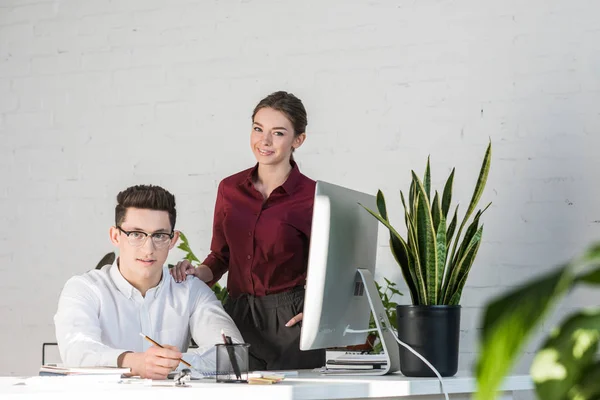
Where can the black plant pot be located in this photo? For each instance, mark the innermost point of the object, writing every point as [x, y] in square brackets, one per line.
[433, 332]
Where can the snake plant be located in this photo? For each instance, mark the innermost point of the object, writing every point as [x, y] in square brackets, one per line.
[435, 260]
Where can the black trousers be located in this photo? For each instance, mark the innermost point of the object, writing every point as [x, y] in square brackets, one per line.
[261, 321]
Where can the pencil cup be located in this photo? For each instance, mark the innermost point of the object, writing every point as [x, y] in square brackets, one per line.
[232, 362]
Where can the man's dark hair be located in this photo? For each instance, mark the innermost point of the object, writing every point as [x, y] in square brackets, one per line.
[148, 197]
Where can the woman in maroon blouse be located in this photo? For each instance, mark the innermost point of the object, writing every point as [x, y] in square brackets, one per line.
[261, 234]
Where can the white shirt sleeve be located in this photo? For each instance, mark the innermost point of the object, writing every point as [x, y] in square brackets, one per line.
[78, 330]
[206, 321]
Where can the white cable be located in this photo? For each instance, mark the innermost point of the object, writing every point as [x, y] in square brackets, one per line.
[348, 330]
[435, 371]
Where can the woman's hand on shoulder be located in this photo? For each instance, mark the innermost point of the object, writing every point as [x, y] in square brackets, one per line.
[182, 270]
[185, 268]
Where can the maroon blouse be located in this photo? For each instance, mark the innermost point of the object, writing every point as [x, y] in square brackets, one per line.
[263, 243]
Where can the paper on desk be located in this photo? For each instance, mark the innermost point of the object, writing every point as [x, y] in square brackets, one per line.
[68, 380]
[284, 374]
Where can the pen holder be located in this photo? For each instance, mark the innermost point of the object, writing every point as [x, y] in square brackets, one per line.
[232, 362]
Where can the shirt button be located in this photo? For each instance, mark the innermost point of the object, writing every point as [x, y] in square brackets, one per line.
[248, 256]
[249, 233]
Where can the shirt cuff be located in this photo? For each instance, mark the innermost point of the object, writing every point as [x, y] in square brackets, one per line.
[216, 266]
[205, 363]
[109, 358]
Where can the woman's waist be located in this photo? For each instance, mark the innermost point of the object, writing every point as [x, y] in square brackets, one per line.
[272, 300]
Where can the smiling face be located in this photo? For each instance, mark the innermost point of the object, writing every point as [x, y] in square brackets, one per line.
[273, 138]
[141, 261]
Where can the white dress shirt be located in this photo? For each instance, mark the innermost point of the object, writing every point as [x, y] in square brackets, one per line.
[100, 316]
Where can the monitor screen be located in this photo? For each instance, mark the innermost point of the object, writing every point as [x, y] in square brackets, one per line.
[343, 239]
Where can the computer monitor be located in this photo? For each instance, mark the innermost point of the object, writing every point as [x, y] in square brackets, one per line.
[340, 290]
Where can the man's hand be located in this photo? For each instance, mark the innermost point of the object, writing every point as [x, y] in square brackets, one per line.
[294, 320]
[185, 268]
[154, 363]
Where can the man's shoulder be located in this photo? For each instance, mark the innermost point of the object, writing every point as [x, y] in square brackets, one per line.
[197, 285]
[97, 278]
[194, 288]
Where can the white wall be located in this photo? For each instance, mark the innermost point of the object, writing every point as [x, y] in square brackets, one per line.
[98, 95]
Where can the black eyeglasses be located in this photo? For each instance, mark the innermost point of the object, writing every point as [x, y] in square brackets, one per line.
[137, 238]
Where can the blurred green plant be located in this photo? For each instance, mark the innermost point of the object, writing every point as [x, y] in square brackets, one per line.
[567, 366]
[434, 274]
[184, 245]
[386, 293]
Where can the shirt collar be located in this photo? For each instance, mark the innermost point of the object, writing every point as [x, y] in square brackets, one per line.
[290, 183]
[127, 288]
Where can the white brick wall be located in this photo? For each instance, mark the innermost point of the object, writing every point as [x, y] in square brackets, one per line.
[99, 95]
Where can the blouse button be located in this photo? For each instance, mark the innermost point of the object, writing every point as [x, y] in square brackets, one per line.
[248, 256]
[249, 233]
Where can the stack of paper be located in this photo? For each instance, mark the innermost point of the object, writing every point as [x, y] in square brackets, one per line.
[55, 370]
[358, 361]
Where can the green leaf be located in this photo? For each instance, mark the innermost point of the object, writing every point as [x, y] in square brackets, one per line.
[481, 181]
[384, 221]
[507, 323]
[412, 246]
[473, 227]
[427, 180]
[447, 194]
[562, 362]
[406, 262]
[398, 248]
[451, 228]
[427, 243]
[455, 299]
[184, 245]
[441, 257]
[448, 266]
[411, 197]
[589, 385]
[405, 209]
[453, 288]
[436, 211]
[381, 205]
[409, 222]
[400, 251]
[591, 277]
[592, 255]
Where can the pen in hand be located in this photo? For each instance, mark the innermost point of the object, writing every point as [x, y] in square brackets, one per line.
[159, 345]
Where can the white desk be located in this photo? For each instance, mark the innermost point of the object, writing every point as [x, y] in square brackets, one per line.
[308, 385]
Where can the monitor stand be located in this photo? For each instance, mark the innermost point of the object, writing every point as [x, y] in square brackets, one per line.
[388, 342]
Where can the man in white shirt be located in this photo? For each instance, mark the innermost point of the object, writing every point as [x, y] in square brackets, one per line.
[102, 312]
